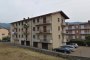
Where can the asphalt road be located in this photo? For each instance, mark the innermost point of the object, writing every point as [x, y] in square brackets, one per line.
[82, 51]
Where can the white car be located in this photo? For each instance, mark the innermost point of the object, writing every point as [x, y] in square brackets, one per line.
[74, 44]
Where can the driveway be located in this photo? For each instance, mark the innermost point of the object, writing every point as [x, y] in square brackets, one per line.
[82, 51]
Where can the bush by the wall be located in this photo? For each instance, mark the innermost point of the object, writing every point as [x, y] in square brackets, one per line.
[79, 42]
[6, 39]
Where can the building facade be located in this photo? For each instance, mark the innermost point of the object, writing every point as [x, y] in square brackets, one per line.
[44, 32]
[78, 30]
[3, 33]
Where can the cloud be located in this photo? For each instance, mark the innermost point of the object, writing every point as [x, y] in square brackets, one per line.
[13, 10]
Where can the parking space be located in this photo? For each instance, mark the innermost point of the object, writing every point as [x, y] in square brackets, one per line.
[82, 51]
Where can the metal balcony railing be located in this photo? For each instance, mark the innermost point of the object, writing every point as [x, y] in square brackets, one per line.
[42, 31]
[46, 40]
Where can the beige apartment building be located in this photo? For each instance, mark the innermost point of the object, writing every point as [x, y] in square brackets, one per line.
[44, 32]
[78, 30]
[3, 33]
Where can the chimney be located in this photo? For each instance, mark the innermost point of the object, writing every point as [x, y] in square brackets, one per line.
[88, 21]
[23, 18]
[28, 18]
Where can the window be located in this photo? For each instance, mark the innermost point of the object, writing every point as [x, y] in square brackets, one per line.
[44, 19]
[34, 36]
[22, 22]
[44, 28]
[3, 34]
[19, 23]
[16, 29]
[37, 36]
[16, 24]
[59, 36]
[33, 28]
[37, 28]
[45, 36]
[58, 28]
[19, 36]
[22, 36]
[37, 19]
[22, 29]
[19, 29]
[16, 36]
[58, 19]
[25, 21]
[33, 20]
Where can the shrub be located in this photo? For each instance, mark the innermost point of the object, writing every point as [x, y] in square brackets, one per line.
[87, 37]
[6, 39]
[79, 42]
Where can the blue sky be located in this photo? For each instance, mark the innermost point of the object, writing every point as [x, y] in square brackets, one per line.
[14, 10]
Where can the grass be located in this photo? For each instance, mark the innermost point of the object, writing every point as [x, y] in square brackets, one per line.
[8, 52]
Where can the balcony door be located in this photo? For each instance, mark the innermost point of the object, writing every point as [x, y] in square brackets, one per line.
[44, 19]
[44, 29]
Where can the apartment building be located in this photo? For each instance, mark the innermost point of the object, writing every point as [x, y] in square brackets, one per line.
[44, 32]
[3, 33]
[78, 30]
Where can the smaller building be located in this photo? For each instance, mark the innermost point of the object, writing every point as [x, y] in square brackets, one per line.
[3, 33]
[78, 30]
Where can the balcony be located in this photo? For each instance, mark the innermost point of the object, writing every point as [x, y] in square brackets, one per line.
[70, 33]
[45, 41]
[41, 23]
[63, 24]
[43, 32]
[36, 40]
[85, 33]
[63, 32]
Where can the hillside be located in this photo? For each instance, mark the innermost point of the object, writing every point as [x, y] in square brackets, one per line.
[5, 25]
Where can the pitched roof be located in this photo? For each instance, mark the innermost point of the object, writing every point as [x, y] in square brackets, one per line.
[61, 12]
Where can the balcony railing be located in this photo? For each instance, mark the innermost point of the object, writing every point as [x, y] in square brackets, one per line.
[63, 24]
[42, 31]
[41, 23]
[46, 40]
[63, 32]
[85, 33]
[36, 40]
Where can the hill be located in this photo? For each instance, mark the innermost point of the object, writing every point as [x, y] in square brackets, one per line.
[5, 25]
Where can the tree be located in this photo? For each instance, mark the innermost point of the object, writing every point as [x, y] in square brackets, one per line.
[87, 37]
[6, 39]
[26, 26]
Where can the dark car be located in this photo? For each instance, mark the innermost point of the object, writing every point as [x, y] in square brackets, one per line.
[63, 50]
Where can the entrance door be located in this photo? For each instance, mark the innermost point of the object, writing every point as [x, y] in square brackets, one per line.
[44, 45]
[35, 44]
[27, 43]
[22, 42]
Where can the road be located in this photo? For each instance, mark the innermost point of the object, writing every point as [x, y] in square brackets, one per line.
[82, 51]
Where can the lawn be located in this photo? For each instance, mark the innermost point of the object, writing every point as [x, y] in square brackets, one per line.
[8, 52]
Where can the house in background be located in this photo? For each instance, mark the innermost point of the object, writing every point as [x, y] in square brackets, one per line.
[77, 30]
[3, 33]
[44, 32]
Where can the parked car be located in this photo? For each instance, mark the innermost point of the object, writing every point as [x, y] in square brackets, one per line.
[74, 44]
[71, 47]
[63, 50]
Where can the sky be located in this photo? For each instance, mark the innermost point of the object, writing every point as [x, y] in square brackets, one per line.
[15, 10]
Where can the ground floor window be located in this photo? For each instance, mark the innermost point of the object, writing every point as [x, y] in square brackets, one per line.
[44, 45]
[22, 43]
[35, 44]
[27, 43]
